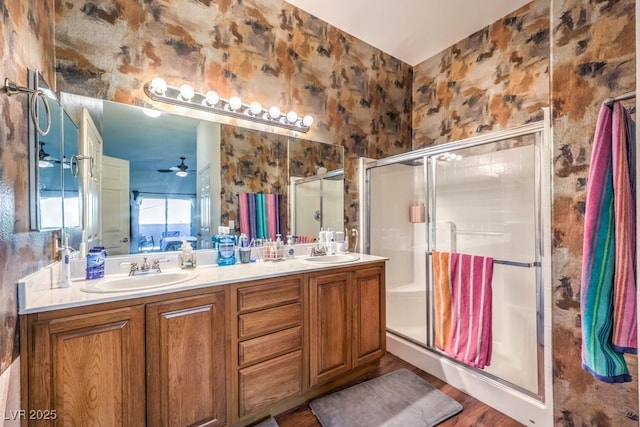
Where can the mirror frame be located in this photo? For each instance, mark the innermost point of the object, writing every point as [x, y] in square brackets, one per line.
[37, 82]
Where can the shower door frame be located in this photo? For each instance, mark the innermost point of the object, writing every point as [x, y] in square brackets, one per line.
[541, 132]
[294, 182]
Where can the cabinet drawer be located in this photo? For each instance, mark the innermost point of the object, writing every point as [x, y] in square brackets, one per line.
[270, 294]
[268, 382]
[267, 346]
[269, 320]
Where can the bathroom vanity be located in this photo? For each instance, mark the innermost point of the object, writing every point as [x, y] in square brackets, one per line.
[229, 347]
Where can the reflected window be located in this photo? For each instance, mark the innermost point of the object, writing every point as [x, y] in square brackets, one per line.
[167, 220]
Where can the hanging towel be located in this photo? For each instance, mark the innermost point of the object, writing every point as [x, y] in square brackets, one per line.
[625, 332]
[243, 207]
[253, 214]
[471, 328]
[596, 295]
[442, 294]
[272, 214]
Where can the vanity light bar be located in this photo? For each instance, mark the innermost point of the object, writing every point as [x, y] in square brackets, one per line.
[186, 96]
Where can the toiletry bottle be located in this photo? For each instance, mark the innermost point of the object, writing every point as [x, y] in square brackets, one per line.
[65, 282]
[95, 263]
[244, 250]
[226, 248]
[332, 247]
[289, 251]
[187, 257]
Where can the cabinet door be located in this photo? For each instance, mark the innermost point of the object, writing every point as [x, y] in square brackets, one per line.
[329, 326]
[369, 337]
[89, 368]
[186, 361]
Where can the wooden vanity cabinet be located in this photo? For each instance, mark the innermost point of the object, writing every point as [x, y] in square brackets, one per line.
[158, 362]
[186, 361]
[346, 321]
[85, 369]
[268, 349]
[225, 355]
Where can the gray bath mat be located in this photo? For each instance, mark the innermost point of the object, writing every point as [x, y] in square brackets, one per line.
[269, 422]
[398, 399]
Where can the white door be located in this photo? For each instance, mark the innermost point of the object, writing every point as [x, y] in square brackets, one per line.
[89, 165]
[115, 205]
[204, 209]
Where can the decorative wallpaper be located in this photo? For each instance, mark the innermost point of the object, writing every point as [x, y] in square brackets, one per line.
[307, 157]
[495, 79]
[253, 162]
[593, 58]
[265, 50]
[26, 32]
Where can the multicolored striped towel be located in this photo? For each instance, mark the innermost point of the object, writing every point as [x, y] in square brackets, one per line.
[259, 215]
[598, 261]
[625, 330]
[463, 327]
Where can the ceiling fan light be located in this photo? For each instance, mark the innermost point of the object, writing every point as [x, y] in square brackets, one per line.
[151, 112]
[45, 164]
[181, 173]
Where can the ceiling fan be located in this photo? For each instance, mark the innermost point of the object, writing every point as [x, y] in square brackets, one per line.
[180, 170]
[45, 160]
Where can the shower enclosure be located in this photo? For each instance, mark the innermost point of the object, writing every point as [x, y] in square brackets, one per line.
[484, 196]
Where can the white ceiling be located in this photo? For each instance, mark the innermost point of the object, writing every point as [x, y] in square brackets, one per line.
[410, 30]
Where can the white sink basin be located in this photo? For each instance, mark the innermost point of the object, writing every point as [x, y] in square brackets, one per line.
[332, 259]
[136, 283]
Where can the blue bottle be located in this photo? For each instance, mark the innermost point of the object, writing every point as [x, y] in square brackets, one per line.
[95, 263]
[226, 246]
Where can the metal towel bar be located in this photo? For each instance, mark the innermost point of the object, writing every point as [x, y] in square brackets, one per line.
[512, 263]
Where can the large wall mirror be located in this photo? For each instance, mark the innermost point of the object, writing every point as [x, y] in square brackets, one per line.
[164, 178]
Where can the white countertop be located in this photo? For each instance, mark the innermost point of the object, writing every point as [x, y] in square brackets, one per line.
[40, 292]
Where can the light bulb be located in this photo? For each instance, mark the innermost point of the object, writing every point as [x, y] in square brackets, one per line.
[211, 98]
[151, 112]
[274, 113]
[186, 92]
[255, 108]
[307, 121]
[181, 173]
[158, 86]
[292, 116]
[235, 103]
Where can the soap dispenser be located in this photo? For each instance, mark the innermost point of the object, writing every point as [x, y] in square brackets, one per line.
[187, 256]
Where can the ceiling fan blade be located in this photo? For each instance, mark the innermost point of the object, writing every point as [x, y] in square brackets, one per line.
[165, 170]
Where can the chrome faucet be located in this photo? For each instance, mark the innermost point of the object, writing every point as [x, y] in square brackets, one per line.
[318, 251]
[133, 269]
[146, 266]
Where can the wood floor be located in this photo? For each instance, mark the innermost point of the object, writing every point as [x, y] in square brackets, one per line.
[474, 412]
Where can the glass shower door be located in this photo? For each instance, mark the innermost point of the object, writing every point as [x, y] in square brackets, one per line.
[396, 188]
[485, 204]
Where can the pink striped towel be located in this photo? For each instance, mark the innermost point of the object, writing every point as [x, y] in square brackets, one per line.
[625, 332]
[470, 338]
